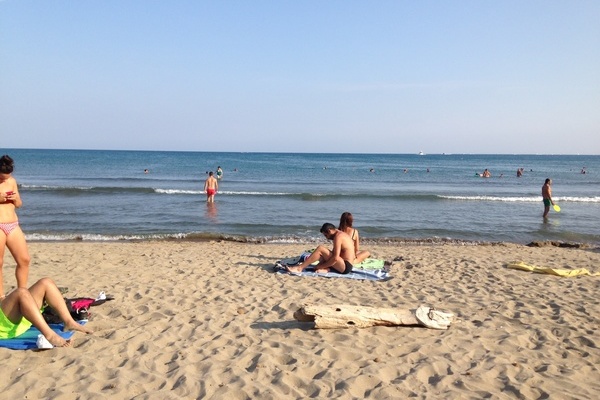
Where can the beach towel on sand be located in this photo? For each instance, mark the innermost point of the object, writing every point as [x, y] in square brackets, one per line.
[551, 271]
[371, 269]
[28, 340]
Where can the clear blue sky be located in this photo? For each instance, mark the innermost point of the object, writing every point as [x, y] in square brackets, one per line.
[302, 76]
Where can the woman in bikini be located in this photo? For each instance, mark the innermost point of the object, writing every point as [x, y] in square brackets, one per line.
[11, 235]
[346, 226]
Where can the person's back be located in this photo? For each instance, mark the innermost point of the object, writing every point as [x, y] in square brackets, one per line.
[546, 190]
[346, 221]
[353, 233]
[347, 251]
[210, 187]
[211, 182]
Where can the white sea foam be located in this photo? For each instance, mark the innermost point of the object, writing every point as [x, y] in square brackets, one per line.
[254, 193]
[523, 199]
[87, 237]
[54, 187]
[283, 197]
[226, 192]
[178, 191]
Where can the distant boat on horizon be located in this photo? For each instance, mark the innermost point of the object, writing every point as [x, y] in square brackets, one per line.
[421, 153]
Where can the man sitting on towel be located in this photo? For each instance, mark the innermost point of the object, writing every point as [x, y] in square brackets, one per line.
[336, 260]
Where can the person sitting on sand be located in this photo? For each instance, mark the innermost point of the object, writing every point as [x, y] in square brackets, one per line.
[346, 221]
[21, 308]
[339, 259]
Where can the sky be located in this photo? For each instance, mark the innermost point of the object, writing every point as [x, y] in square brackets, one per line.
[327, 76]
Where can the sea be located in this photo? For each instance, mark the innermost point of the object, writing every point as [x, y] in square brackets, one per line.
[97, 195]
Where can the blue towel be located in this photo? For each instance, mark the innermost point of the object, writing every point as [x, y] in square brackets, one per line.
[370, 269]
[368, 275]
[28, 340]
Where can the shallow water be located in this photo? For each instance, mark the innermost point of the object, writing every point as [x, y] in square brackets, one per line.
[105, 195]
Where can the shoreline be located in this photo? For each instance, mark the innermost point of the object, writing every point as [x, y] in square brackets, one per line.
[210, 319]
[303, 241]
[259, 205]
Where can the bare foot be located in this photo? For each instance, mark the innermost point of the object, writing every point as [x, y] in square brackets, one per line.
[322, 270]
[74, 326]
[57, 341]
[293, 269]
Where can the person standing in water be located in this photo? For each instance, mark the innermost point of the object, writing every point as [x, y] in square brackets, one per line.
[547, 196]
[219, 173]
[210, 187]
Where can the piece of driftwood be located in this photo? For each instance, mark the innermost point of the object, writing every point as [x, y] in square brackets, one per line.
[344, 316]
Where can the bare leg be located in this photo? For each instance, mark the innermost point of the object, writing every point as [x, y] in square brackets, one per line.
[17, 245]
[546, 210]
[361, 256]
[45, 289]
[2, 245]
[20, 304]
[339, 266]
[321, 253]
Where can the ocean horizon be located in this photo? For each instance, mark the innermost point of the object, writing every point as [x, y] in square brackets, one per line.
[285, 197]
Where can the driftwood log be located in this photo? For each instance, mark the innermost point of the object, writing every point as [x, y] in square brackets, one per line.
[344, 316]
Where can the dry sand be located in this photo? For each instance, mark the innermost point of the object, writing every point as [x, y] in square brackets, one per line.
[210, 320]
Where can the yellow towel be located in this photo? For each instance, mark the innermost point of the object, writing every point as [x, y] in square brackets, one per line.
[552, 271]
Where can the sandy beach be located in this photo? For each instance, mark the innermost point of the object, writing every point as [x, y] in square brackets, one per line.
[211, 320]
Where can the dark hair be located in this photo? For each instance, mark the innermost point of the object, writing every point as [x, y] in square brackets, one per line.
[346, 221]
[327, 227]
[6, 165]
[547, 180]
